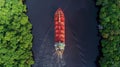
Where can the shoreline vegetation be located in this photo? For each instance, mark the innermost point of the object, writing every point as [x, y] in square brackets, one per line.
[15, 35]
[109, 19]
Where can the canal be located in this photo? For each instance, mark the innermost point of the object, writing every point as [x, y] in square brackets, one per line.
[81, 32]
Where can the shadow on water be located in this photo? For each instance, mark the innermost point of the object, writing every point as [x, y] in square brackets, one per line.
[81, 32]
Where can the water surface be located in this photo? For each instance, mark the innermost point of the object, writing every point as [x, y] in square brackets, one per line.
[81, 31]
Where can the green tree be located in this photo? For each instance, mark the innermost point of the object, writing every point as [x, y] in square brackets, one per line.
[15, 35]
[109, 18]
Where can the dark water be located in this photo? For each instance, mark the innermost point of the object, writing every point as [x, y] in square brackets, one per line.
[81, 32]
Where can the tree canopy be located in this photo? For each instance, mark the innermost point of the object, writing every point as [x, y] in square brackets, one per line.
[15, 35]
[109, 18]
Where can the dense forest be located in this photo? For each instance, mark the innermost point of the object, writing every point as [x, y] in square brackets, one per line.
[15, 35]
[109, 19]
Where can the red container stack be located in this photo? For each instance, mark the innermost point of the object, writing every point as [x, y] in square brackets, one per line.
[59, 21]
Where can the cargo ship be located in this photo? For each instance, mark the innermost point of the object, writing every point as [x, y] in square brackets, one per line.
[59, 25]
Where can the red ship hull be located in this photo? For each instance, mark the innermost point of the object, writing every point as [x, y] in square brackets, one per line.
[59, 21]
